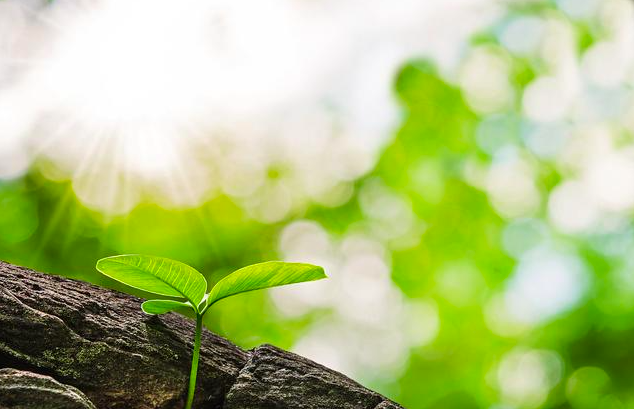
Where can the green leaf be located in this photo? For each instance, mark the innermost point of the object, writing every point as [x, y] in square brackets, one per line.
[264, 275]
[156, 275]
[163, 306]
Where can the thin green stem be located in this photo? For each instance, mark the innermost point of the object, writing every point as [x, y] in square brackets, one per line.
[195, 357]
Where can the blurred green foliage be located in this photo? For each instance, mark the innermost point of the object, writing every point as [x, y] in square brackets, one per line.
[464, 255]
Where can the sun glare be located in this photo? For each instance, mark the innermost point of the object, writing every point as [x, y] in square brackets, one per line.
[120, 64]
[173, 102]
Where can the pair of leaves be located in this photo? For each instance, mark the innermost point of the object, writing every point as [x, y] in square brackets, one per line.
[171, 278]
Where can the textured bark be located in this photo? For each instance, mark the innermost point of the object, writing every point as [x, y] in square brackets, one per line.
[100, 342]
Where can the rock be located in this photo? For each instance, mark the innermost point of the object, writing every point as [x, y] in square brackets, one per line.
[273, 376]
[27, 390]
[100, 342]
[386, 404]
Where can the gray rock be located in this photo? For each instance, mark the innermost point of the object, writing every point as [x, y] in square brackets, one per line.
[26, 390]
[272, 378]
[100, 342]
[386, 404]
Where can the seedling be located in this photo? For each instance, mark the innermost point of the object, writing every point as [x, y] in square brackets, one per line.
[162, 276]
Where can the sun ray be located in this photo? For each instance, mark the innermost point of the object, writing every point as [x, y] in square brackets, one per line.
[56, 136]
[160, 74]
[210, 238]
[63, 204]
[61, 207]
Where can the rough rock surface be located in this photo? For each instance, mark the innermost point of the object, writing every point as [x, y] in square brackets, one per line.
[388, 405]
[23, 390]
[273, 375]
[100, 342]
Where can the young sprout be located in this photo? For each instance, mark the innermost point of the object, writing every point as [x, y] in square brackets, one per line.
[171, 278]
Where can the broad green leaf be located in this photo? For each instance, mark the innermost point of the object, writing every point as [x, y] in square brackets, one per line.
[163, 306]
[264, 275]
[156, 275]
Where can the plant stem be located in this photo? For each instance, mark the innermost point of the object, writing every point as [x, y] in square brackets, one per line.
[195, 357]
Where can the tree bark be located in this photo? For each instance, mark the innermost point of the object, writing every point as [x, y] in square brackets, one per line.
[68, 334]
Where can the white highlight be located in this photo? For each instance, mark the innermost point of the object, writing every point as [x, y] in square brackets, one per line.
[545, 284]
[166, 101]
[525, 377]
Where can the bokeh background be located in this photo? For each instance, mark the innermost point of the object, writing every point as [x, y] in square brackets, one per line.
[464, 170]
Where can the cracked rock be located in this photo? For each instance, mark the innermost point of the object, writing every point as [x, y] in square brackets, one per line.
[100, 342]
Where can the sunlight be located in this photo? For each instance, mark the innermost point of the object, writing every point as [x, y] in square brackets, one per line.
[118, 67]
[130, 82]
[130, 99]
